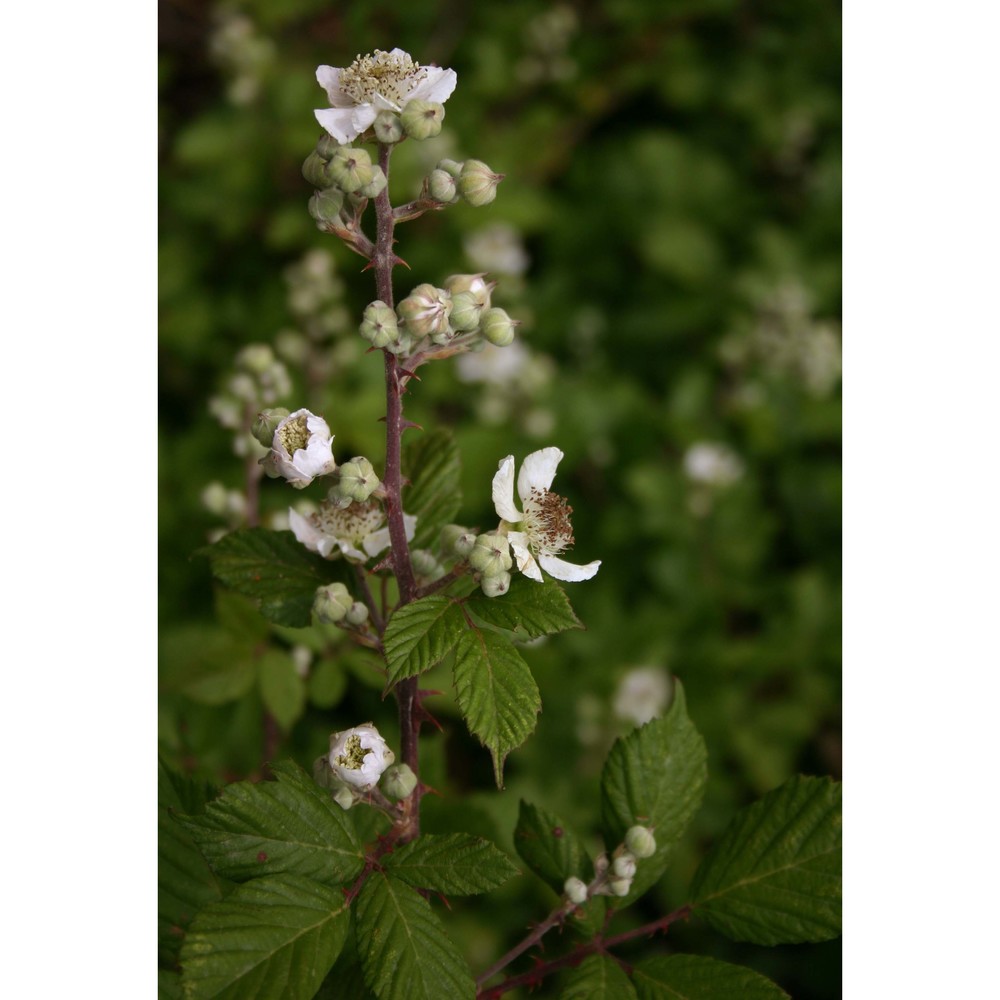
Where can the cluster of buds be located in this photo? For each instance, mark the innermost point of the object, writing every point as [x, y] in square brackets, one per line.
[459, 316]
[473, 182]
[360, 767]
[340, 174]
[334, 605]
[613, 877]
[490, 557]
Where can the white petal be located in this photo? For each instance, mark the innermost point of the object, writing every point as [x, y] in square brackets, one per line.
[537, 471]
[522, 555]
[329, 80]
[376, 541]
[569, 572]
[503, 491]
[338, 122]
[355, 555]
[326, 545]
[410, 524]
[399, 52]
[304, 530]
[363, 116]
[384, 104]
[436, 86]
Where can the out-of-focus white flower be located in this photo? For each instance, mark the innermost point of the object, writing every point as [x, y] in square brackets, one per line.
[382, 81]
[545, 528]
[302, 449]
[358, 756]
[498, 249]
[643, 694]
[494, 365]
[358, 530]
[712, 463]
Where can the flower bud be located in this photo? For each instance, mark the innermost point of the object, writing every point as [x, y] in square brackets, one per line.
[255, 358]
[495, 585]
[325, 205]
[357, 614]
[422, 119]
[425, 565]
[358, 756]
[450, 167]
[351, 169]
[640, 841]
[477, 183]
[624, 865]
[215, 498]
[302, 449]
[388, 128]
[426, 310]
[331, 603]
[266, 423]
[497, 327]
[326, 146]
[475, 283]
[620, 886]
[398, 781]
[315, 171]
[357, 480]
[379, 325]
[491, 554]
[456, 540]
[575, 890]
[441, 186]
[376, 185]
[465, 312]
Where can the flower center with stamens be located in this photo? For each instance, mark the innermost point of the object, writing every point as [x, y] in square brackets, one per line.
[294, 435]
[390, 76]
[546, 522]
[354, 754]
[352, 524]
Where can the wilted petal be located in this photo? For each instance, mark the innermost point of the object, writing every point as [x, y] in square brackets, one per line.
[503, 491]
[523, 557]
[537, 471]
[569, 572]
[437, 85]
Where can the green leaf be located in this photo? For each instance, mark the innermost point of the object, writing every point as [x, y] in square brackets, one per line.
[289, 825]
[271, 939]
[281, 689]
[548, 848]
[274, 568]
[420, 635]
[694, 977]
[452, 863]
[528, 608]
[654, 777]
[327, 684]
[403, 947]
[168, 985]
[775, 876]
[598, 977]
[433, 466]
[496, 692]
[206, 664]
[186, 883]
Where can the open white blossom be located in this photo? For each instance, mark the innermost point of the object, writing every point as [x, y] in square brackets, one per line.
[302, 449]
[358, 756]
[382, 81]
[545, 530]
[358, 531]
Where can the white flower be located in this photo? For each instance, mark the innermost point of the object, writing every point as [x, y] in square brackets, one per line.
[302, 449]
[358, 756]
[712, 463]
[545, 528]
[643, 694]
[383, 81]
[357, 530]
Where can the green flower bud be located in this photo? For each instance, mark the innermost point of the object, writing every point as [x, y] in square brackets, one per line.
[357, 481]
[379, 325]
[376, 185]
[315, 171]
[497, 327]
[425, 565]
[474, 283]
[624, 865]
[426, 310]
[388, 128]
[575, 890]
[465, 312]
[255, 358]
[640, 841]
[456, 540]
[351, 169]
[441, 186]
[357, 614]
[450, 167]
[422, 119]
[331, 603]
[326, 146]
[398, 781]
[620, 886]
[266, 423]
[495, 585]
[491, 554]
[325, 205]
[477, 183]
[215, 497]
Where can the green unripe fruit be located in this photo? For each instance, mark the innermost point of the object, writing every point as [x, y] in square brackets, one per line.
[640, 841]
[357, 614]
[315, 171]
[376, 185]
[357, 480]
[422, 119]
[497, 327]
[379, 326]
[388, 128]
[477, 183]
[491, 554]
[351, 169]
[331, 603]
[441, 186]
[325, 205]
[398, 781]
[495, 585]
[326, 146]
[266, 423]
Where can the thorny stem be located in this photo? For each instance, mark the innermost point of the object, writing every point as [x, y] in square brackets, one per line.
[557, 916]
[597, 945]
[406, 691]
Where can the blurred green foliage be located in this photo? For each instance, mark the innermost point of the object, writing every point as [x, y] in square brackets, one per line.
[668, 231]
